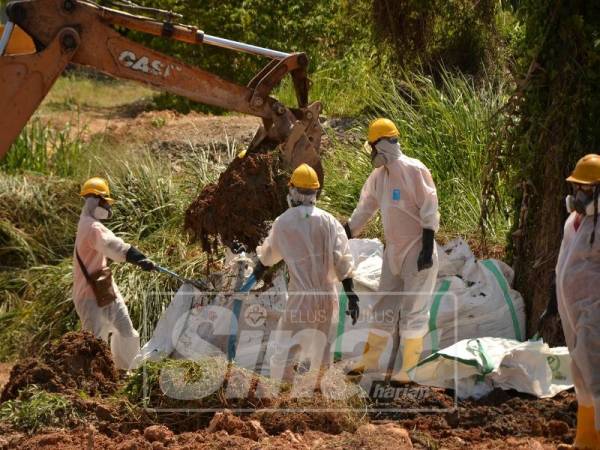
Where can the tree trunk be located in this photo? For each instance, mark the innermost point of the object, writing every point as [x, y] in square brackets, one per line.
[558, 111]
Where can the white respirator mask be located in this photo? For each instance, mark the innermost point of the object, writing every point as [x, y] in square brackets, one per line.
[298, 198]
[384, 151]
[92, 207]
[102, 213]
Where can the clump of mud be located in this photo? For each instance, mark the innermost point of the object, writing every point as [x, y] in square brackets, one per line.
[490, 419]
[78, 363]
[238, 208]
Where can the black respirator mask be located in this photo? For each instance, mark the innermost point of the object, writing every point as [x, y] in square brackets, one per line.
[582, 201]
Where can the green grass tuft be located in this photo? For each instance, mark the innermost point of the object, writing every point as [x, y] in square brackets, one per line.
[44, 149]
[36, 409]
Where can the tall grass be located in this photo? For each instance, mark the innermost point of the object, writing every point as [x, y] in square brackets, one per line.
[343, 87]
[38, 219]
[42, 148]
[41, 218]
[448, 126]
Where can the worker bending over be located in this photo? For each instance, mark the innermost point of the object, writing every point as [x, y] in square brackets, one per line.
[578, 295]
[97, 299]
[315, 248]
[403, 190]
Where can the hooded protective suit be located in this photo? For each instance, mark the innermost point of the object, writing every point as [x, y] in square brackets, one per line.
[95, 244]
[404, 191]
[315, 248]
[578, 295]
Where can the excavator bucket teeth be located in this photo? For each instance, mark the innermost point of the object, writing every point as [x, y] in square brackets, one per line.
[302, 143]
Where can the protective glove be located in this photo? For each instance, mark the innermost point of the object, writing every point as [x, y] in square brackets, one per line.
[134, 256]
[353, 309]
[237, 247]
[425, 260]
[259, 271]
[348, 230]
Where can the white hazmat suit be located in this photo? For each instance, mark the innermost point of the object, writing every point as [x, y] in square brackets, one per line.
[315, 248]
[404, 192]
[95, 244]
[578, 295]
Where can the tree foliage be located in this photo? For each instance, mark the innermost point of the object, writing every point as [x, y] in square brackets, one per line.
[323, 29]
[458, 34]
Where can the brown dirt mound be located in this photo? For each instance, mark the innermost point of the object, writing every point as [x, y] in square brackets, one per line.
[485, 421]
[301, 415]
[248, 195]
[79, 362]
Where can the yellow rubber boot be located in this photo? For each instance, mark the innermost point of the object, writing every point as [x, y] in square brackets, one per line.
[370, 358]
[410, 358]
[586, 436]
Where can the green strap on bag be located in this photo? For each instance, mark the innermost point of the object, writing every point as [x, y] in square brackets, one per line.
[343, 302]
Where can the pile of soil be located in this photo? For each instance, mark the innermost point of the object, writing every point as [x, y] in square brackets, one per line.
[485, 421]
[78, 363]
[159, 437]
[238, 208]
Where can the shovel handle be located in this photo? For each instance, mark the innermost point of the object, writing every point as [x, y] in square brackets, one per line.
[197, 284]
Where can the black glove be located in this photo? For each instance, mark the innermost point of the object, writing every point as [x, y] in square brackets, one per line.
[134, 256]
[348, 230]
[425, 260]
[353, 309]
[259, 271]
[237, 247]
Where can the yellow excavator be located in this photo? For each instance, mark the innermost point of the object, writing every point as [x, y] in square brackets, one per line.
[42, 37]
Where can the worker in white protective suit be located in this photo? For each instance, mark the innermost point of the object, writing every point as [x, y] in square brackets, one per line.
[403, 190]
[97, 299]
[578, 295]
[315, 248]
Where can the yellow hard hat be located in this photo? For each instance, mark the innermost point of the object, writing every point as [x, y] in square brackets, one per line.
[382, 128]
[96, 186]
[20, 43]
[305, 177]
[587, 170]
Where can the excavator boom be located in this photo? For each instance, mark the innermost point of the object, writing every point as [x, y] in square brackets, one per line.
[79, 32]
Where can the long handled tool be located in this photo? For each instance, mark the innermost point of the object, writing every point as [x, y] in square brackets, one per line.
[237, 309]
[196, 283]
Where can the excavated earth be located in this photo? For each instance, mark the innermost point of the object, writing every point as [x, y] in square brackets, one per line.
[501, 421]
[79, 363]
[239, 207]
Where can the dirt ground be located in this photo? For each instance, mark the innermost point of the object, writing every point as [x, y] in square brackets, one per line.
[375, 437]
[493, 424]
[78, 363]
[164, 130]
[79, 367]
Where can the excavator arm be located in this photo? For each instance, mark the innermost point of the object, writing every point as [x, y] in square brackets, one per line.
[78, 32]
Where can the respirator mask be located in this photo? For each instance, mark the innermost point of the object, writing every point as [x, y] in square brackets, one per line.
[298, 197]
[582, 201]
[383, 151]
